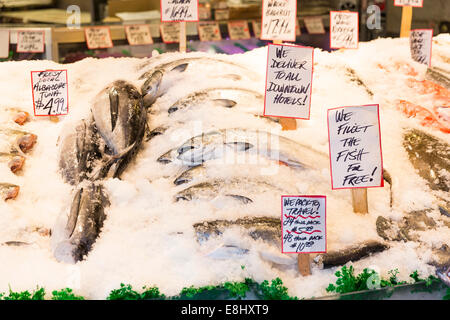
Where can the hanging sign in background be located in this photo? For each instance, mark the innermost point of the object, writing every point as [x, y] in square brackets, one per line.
[279, 19]
[30, 41]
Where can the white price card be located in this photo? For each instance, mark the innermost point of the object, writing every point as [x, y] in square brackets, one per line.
[288, 81]
[279, 19]
[50, 92]
[420, 41]
[355, 147]
[409, 3]
[209, 31]
[4, 43]
[238, 30]
[30, 41]
[138, 34]
[98, 37]
[179, 10]
[303, 224]
[314, 25]
[344, 30]
[170, 32]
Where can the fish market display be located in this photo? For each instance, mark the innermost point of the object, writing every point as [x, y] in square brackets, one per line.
[166, 173]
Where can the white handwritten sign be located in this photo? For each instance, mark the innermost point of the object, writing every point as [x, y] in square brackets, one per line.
[344, 30]
[355, 147]
[179, 10]
[222, 14]
[50, 92]
[238, 30]
[256, 28]
[410, 3]
[30, 41]
[288, 81]
[4, 43]
[170, 32]
[420, 41]
[98, 37]
[138, 34]
[314, 25]
[204, 12]
[303, 224]
[209, 31]
[279, 19]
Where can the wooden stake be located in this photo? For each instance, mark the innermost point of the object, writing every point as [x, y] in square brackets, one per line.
[406, 21]
[286, 123]
[304, 264]
[359, 199]
[183, 36]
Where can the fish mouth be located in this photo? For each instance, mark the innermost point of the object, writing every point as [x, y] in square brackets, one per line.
[180, 180]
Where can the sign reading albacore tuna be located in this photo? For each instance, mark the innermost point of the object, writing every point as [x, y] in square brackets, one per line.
[303, 224]
[355, 147]
[288, 81]
[278, 20]
[50, 92]
[179, 10]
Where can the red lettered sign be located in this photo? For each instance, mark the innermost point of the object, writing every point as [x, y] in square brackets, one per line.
[50, 92]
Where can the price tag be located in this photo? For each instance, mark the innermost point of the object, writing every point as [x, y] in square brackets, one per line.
[314, 25]
[222, 14]
[256, 24]
[409, 3]
[279, 20]
[4, 43]
[30, 41]
[138, 34]
[344, 30]
[420, 41]
[204, 13]
[238, 30]
[170, 32]
[355, 147]
[303, 224]
[50, 92]
[179, 10]
[209, 31]
[98, 37]
[288, 81]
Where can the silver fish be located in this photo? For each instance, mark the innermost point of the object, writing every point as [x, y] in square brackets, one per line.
[216, 144]
[439, 75]
[120, 119]
[226, 97]
[444, 275]
[197, 172]
[79, 152]
[9, 191]
[73, 239]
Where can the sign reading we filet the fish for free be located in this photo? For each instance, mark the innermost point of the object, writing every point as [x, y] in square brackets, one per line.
[179, 10]
[420, 41]
[303, 224]
[279, 19]
[50, 92]
[355, 147]
[288, 81]
[344, 32]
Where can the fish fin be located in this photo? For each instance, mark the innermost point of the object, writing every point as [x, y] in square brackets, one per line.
[180, 68]
[242, 199]
[113, 107]
[240, 146]
[226, 103]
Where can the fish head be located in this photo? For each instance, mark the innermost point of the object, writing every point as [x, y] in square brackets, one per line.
[150, 88]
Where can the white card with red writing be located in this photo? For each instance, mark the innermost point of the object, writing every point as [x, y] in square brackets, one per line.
[410, 3]
[288, 81]
[238, 30]
[355, 147]
[170, 32]
[303, 224]
[179, 10]
[30, 41]
[50, 92]
[420, 42]
[279, 19]
[98, 37]
[344, 30]
[138, 34]
[209, 31]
